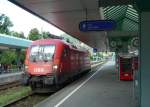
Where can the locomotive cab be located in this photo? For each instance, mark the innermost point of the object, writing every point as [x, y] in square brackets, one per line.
[43, 65]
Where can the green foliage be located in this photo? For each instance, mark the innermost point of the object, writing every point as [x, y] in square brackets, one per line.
[5, 24]
[22, 35]
[16, 34]
[34, 34]
[22, 56]
[7, 57]
[45, 35]
[13, 94]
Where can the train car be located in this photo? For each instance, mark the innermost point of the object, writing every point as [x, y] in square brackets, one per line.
[51, 62]
[125, 67]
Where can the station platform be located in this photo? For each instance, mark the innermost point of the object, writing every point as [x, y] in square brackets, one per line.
[10, 77]
[100, 88]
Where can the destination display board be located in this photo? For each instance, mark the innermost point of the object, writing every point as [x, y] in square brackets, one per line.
[97, 25]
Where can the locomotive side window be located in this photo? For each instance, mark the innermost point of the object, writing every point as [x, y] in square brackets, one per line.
[65, 53]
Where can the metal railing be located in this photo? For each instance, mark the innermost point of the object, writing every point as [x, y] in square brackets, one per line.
[3, 71]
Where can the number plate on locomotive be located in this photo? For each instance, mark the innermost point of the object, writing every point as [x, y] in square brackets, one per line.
[38, 69]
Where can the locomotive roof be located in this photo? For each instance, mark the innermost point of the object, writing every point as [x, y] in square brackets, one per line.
[56, 41]
[46, 41]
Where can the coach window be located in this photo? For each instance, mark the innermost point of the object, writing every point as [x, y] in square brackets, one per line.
[65, 53]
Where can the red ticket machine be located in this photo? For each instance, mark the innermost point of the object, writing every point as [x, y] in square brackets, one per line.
[125, 68]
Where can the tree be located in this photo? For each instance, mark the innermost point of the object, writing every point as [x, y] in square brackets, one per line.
[5, 24]
[45, 35]
[22, 35]
[13, 33]
[7, 57]
[34, 34]
[22, 56]
[16, 34]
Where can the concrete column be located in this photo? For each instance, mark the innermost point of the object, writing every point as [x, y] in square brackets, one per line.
[145, 59]
[18, 51]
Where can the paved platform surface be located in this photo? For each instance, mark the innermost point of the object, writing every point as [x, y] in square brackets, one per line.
[97, 89]
[10, 77]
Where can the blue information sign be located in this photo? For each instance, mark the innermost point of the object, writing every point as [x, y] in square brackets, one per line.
[97, 25]
[94, 50]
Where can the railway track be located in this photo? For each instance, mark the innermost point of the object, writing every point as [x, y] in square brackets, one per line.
[9, 85]
[17, 100]
[27, 101]
[17, 83]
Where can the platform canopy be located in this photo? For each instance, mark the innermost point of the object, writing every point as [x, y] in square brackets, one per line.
[66, 15]
[7, 42]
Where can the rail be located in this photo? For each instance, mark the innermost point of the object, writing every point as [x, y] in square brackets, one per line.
[17, 100]
[9, 85]
[96, 63]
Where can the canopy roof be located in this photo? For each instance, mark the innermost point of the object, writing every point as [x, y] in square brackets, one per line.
[66, 15]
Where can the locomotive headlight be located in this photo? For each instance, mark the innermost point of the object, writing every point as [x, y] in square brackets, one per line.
[55, 67]
[26, 66]
[26, 69]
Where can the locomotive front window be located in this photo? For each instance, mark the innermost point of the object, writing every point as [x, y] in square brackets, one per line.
[42, 53]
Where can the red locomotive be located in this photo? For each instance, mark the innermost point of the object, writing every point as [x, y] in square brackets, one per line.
[50, 62]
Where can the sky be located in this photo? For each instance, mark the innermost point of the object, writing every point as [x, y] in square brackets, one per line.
[24, 21]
